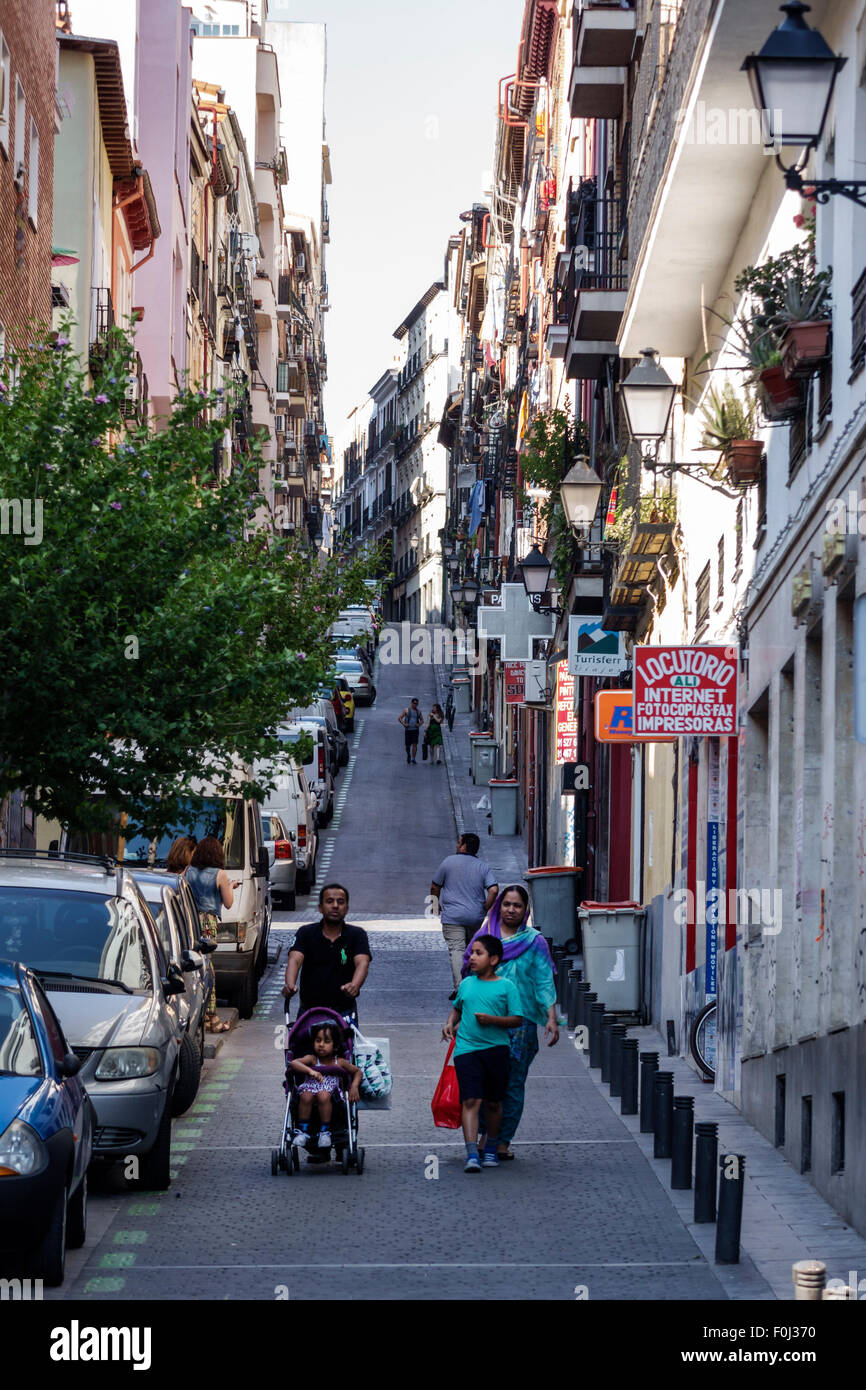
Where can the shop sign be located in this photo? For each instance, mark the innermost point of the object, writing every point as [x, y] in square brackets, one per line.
[566, 719]
[514, 677]
[683, 691]
[614, 721]
[591, 650]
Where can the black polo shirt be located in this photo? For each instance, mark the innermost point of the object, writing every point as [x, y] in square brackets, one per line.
[328, 965]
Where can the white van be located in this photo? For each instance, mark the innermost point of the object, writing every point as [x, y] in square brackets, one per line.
[316, 764]
[242, 941]
[295, 804]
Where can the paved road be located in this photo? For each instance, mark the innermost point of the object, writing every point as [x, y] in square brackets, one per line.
[579, 1208]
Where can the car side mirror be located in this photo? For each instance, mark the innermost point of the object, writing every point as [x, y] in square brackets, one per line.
[192, 961]
[173, 983]
[70, 1066]
[205, 946]
[263, 867]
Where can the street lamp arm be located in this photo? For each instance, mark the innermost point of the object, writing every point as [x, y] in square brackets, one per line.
[822, 190]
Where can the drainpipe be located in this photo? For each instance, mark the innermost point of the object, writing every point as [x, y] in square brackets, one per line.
[130, 198]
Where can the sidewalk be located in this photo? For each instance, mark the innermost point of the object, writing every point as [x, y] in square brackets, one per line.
[506, 854]
[784, 1218]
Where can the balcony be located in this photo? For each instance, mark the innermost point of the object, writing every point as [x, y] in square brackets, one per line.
[265, 301]
[604, 34]
[595, 288]
[646, 564]
[284, 295]
[101, 324]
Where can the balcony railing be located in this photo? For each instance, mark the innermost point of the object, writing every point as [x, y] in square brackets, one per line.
[101, 322]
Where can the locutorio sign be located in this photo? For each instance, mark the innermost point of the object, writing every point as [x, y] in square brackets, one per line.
[685, 690]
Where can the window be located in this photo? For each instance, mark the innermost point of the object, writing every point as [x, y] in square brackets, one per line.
[720, 572]
[5, 79]
[702, 602]
[837, 1135]
[738, 533]
[228, 28]
[858, 327]
[20, 133]
[33, 182]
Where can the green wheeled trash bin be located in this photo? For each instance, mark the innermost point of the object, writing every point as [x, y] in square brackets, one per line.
[478, 742]
[503, 805]
[462, 687]
[553, 890]
[612, 954]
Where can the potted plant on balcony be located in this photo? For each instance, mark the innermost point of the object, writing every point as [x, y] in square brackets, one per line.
[728, 424]
[805, 314]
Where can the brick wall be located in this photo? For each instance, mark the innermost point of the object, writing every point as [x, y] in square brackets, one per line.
[28, 31]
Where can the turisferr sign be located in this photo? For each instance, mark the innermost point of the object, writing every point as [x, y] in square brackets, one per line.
[685, 690]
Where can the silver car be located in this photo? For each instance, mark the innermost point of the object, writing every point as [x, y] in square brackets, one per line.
[281, 854]
[86, 932]
[172, 905]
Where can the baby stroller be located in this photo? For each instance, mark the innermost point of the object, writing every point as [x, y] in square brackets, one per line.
[344, 1122]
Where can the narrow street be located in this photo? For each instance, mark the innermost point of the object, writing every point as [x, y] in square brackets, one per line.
[579, 1209]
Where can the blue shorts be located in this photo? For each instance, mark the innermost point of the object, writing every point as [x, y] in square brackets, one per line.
[483, 1075]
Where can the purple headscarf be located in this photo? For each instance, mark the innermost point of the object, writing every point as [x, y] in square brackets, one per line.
[511, 949]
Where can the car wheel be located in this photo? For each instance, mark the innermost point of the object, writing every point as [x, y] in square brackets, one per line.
[350, 726]
[313, 865]
[48, 1262]
[188, 1077]
[76, 1216]
[289, 903]
[248, 995]
[154, 1167]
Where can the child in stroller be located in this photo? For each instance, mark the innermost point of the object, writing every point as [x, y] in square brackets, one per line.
[323, 1088]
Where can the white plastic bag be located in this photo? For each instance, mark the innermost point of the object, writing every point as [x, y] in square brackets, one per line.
[373, 1056]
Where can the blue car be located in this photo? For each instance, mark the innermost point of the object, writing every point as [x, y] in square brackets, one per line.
[46, 1132]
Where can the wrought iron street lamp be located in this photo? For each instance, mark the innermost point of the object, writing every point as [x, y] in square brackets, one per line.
[648, 399]
[471, 591]
[535, 573]
[793, 79]
[457, 592]
[580, 490]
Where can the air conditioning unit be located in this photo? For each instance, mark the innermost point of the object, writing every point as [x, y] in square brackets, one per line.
[301, 263]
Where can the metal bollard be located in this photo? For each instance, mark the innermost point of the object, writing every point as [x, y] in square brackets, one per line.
[617, 1036]
[607, 1022]
[732, 1180]
[628, 1094]
[809, 1278]
[581, 991]
[573, 985]
[663, 1113]
[585, 1004]
[560, 960]
[649, 1065]
[706, 1158]
[681, 1142]
[596, 1014]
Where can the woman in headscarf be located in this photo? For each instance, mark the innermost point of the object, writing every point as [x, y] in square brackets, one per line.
[527, 961]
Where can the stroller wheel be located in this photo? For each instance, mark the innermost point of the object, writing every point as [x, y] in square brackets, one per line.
[344, 1160]
[359, 1162]
[275, 1162]
[294, 1164]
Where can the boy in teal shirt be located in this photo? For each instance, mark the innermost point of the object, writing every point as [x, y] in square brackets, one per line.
[485, 1006]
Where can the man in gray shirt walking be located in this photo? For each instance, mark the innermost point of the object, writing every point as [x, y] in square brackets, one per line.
[466, 888]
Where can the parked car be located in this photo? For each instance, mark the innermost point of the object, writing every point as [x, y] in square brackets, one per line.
[338, 745]
[46, 1131]
[242, 943]
[86, 932]
[311, 754]
[360, 682]
[173, 908]
[281, 853]
[294, 803]
[347, 700]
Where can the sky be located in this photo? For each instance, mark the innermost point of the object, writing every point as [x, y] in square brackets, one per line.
[411, 118]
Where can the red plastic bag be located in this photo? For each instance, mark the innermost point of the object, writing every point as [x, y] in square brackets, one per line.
[446, 1098]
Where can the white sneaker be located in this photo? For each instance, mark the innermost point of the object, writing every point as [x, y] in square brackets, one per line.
[301, 1140]
[325, 1140]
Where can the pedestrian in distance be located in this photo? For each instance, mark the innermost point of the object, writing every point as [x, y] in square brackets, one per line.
[527, 962]
[412, 720]
[331, 956]
[319, 1087]
[434, 734]
[485, 1005]
[465, 888]
[213, 890]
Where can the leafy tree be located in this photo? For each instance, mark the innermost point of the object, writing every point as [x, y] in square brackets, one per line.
[553, 446]
[149, 636]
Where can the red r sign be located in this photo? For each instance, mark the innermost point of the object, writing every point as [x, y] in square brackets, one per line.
[685, 691]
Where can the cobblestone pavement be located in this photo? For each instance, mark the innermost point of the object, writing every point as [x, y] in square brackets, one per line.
[579, 1213]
